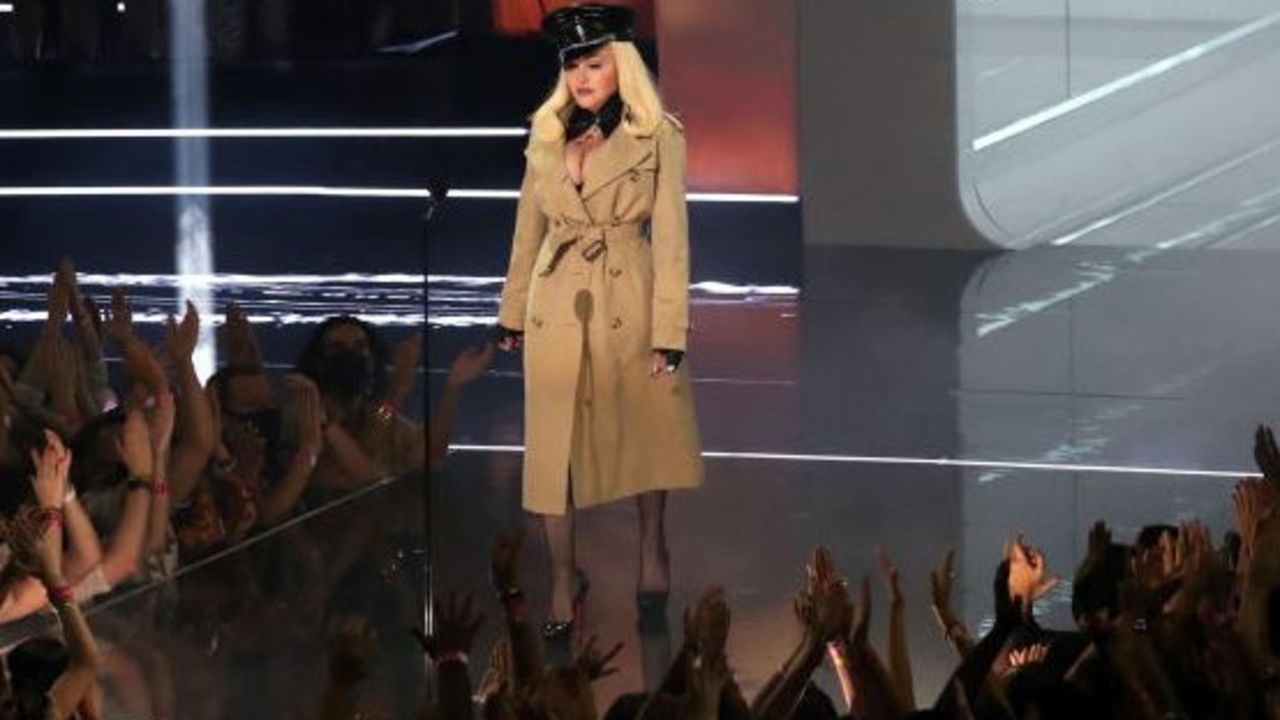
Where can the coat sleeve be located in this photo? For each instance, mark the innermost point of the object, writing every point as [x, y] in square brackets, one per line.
[531, 225]
[670, 242]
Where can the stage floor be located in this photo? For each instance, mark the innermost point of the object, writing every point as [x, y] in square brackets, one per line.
[914, 400]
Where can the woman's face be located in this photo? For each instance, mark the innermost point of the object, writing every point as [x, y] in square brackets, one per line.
[592, 78]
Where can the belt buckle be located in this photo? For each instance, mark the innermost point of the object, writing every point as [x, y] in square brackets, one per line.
[593, 251]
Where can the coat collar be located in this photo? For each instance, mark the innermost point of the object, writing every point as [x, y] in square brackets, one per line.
[621, 152]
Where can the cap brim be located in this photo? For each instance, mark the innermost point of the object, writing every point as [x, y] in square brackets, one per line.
[573, 52]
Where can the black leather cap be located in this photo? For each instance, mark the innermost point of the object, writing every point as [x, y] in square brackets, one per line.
[579, 29]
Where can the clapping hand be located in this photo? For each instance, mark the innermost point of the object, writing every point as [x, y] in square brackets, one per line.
[239, 342]
[823, 607]
[1028, 577]
[706, 625]
[52, 465]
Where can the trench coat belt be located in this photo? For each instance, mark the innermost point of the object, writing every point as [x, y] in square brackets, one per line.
[592, 237]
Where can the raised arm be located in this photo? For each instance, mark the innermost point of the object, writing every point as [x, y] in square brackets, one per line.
[190, 455]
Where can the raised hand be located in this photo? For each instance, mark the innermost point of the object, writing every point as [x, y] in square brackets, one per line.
[893, 584]
[182, 337]
[310, 410]
[470, 364]
[52, 466]
[823, 606]
[456, 629]
[239, 342]
[1028, 577]
[58, 300]
[120, 324]
[941, 580]
[706, 625]
[1266, 453]
[141, 365]
[1256, 502]
[593, 664]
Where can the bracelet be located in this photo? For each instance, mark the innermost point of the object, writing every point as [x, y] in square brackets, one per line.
[453, 656]
[160, 489]
[137, 484]
[62, 595]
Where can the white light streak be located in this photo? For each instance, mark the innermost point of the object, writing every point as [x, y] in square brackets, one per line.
[258, 133]
[934, 462]
[1150, 72]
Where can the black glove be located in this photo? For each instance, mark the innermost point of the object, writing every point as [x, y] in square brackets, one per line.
[673, 358]
[502, 333]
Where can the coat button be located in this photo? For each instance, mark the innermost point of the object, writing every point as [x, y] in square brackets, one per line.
[617, 323]
[537, 322]
[615, 272]
[635, 176]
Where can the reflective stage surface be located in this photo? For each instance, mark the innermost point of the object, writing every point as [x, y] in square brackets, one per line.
[918, 401]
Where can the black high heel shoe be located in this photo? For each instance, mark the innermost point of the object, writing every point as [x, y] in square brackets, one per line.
[558, 635]
[651, 605]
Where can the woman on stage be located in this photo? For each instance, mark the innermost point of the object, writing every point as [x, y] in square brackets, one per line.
[597, 296]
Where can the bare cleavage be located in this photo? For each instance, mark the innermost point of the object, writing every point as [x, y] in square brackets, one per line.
[578, 150]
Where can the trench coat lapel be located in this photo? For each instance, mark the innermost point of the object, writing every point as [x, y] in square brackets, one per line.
[547, 161]
[616, 156]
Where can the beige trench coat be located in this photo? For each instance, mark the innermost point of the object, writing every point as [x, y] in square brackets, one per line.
[597, 280]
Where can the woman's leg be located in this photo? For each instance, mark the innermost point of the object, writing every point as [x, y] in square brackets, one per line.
[558, 532]
[655, 570]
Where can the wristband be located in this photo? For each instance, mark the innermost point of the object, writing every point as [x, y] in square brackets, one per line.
[160, 489]
[137, 484]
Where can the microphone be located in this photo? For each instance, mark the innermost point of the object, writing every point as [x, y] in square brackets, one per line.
[439, 191]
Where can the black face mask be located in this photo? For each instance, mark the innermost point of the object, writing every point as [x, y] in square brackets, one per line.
[346, 373]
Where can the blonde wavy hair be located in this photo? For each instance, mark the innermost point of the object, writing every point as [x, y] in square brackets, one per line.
[639, 93]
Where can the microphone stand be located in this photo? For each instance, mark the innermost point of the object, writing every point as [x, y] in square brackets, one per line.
[438, 192]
